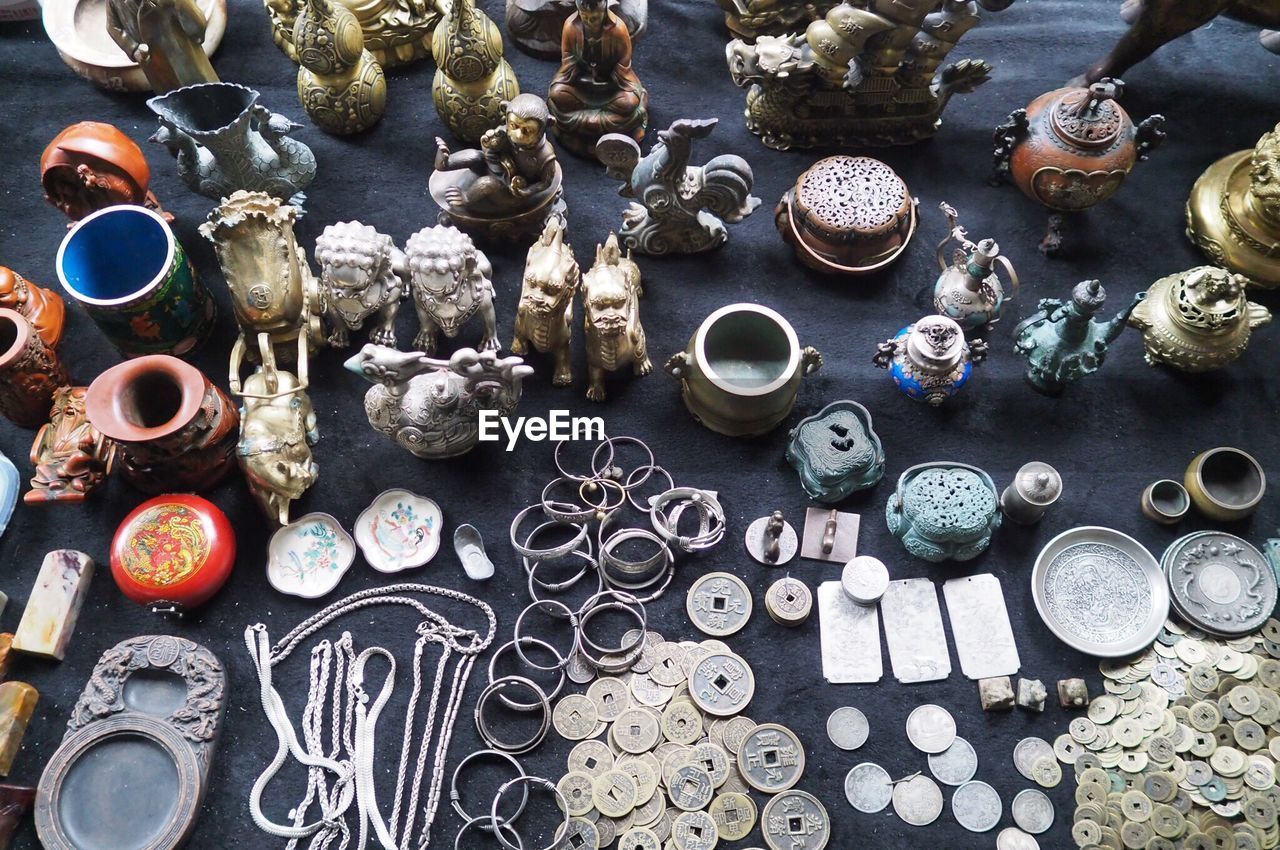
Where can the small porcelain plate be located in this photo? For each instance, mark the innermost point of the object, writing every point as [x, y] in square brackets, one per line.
[309, 556]
[1101, 592]
[399, 530]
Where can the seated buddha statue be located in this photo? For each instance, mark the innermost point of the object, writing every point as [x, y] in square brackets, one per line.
[596, 91]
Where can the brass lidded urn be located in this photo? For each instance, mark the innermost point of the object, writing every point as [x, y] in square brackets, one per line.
[472, 79]
[1233, 214]
[1197, 320]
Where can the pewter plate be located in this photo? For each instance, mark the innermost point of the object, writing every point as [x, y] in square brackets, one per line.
[850, 635]
[980, 627]
[914, 632]
[1100, 591]
[1220, 583]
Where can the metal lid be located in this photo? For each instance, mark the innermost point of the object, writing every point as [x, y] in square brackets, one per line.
[1038, 483]
[1090, 117]
[1208, 299]
[936, 342]
[852, 197]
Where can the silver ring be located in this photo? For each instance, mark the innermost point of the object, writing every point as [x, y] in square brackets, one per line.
[567, 474]
[554, 552]
[615, 473]
[538, 782]
[528, 641]
[604, 508]
[482, 727]
[667, 528]
[544, 605]
[630, 485]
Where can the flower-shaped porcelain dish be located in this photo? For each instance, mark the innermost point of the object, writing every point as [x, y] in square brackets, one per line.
[309, 556]
[399, 530]
[1100, 591]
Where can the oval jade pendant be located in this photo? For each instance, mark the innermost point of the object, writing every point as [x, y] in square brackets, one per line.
[173, 552]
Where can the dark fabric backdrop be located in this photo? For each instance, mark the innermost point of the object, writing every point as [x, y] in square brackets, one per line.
[1108, 436]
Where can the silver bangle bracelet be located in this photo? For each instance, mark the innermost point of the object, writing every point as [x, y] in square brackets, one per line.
[541, 644]
[603, 509]
[630, 485]
[535, 583]
[486, 823]
[667, 528]
[637, 573]
[662, 581]
[546, 606]
[482, 726]
[614, 472]
[531, 567]
[455, 796]
[612, 600]
[552, 553]
[555, 457]
[531, 564]
[545, 785]
[565, 512]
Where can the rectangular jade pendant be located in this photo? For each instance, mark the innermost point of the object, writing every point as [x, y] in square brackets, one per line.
[50, 616]
[17, 704]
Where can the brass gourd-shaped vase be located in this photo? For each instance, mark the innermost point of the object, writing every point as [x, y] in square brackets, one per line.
[473, 79]
[340, 84]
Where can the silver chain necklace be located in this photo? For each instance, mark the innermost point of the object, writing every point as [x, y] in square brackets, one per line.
[337, 688]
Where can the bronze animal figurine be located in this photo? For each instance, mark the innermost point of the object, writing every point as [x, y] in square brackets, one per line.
[451, 281]
[611, 301]
[544, 316]
[277, 431]
[1154, 23]
[362, 272]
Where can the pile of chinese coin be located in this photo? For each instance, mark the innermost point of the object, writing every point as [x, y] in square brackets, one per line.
[1182, 750]
[666, 759]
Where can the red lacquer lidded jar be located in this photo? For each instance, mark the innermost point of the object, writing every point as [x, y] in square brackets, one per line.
[173, 552]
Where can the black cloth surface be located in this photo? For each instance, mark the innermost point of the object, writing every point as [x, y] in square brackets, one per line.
[1109, 436]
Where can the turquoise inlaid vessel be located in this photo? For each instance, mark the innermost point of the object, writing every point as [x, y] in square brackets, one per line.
[930, 360]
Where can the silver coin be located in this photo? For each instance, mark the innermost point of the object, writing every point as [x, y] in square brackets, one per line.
[1012, 838]
[579, 670]
[918, 800]
[1027, 752]
[795, 819]
[868, 788]
[956, 764]
[977, 806]
[865, 579]
[931, 728]
[848, 728]
[1032, 811]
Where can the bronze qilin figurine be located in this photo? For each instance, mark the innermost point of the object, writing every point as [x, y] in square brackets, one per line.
[596, 91]
[508, 186]
[362, 272]
[70, 456]
[544, 316]
[858, 76]
[680, 209]
[611, 293]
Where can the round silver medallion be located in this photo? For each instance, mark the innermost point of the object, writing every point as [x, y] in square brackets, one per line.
[848, 728]
[868, 788]
[865, 579]
[956, 764]
[1032, 811]
[918, 801]
[931, 728]
[1013, 838]
[977, 806]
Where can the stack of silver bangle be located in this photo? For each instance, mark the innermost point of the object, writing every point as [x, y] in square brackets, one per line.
[494, 823]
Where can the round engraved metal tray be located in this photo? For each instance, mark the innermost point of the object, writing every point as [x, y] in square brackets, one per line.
[1101, 592]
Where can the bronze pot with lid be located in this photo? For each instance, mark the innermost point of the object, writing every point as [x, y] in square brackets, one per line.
[847, 215]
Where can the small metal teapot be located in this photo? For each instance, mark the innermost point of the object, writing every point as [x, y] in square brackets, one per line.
[969, 289]
[930, 360]
[1197, 320]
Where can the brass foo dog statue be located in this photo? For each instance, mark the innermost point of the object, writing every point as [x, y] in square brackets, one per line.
[544, 316]
[867, 74]
[1154, 23]
[611, 293]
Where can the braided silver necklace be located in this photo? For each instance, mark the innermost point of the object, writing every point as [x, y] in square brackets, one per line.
[337, 688]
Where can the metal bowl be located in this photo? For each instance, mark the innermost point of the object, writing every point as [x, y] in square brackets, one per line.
[1100, 591]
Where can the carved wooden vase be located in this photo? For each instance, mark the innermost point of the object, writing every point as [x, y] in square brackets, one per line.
[30, 371]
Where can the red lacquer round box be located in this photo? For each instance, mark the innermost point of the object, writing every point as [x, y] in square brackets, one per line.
[173, 552]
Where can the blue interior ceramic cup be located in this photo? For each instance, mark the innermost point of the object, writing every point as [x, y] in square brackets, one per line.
[126, 268]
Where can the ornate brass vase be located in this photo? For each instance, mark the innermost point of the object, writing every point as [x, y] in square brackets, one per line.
[340, 84]
[1197, 320]
[473, 80]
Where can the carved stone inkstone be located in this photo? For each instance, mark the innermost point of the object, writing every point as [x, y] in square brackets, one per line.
[858, 77]
[451, 281]
[54, 605]
[224, 140]
[996, 694]
[1071, 148]
[536, 26]
[836, 452]
[509, 186]
[544, 316]
[134, 764]
[362, 272]
[473, 81]
[340, 84]
[1073, 693]
[1153, 23]
[969, 289]
[1233, 214]
[165, 39]
[679, 208]
[91, 165]
[611, 293]
[1197, 320]
[70, 456]
[771, 540]
[1062, 342]
[17, 704]
[432, 407]
[1032, 695]
[596, 91]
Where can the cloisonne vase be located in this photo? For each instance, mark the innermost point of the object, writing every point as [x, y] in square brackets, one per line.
[177, 431]
[126, 268]
[30, 371]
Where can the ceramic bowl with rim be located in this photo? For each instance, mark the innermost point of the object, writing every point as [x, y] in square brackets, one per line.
[1100, 591]
[78, 29]
[399, 530]
[309, 556]
[1225, 483]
